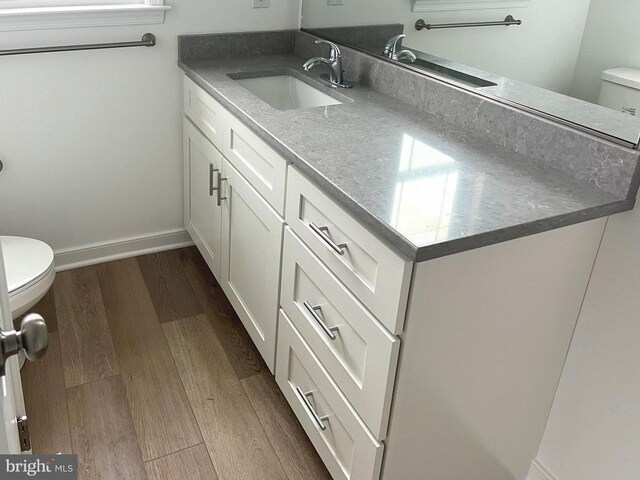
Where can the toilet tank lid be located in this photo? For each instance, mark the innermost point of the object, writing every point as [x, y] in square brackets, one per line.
[629, 77]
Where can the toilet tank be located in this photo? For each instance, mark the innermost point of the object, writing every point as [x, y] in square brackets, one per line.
[621, 90]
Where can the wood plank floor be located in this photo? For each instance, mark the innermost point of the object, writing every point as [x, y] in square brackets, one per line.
[85, 341]
[162, 380]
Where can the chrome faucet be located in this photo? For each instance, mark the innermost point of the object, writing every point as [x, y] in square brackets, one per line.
[335, 78]
[391, 50]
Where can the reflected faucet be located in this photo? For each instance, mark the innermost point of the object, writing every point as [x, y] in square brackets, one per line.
[391, 50]
[335, 78]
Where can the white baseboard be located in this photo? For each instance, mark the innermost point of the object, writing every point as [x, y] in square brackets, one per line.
[124, 248]
[538, 472]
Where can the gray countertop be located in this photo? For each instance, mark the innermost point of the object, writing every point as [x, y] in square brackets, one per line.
[426, 187]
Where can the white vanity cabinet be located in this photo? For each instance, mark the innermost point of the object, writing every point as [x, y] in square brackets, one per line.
[251, 250]
[341, 310]
[233, 211]
[446, 369]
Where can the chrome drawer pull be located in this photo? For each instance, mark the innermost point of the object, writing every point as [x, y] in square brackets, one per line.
[322, 232]
[212, 189]
[316, 418]
[314, 313]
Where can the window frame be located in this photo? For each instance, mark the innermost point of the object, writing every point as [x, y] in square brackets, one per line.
[43, 14]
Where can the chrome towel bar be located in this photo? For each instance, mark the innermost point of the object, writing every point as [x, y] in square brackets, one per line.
[509, 20]
[148, 40]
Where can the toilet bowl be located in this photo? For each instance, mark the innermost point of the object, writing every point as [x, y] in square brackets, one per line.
[30, 272]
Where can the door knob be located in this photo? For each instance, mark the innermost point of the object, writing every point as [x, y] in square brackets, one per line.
[32, 340]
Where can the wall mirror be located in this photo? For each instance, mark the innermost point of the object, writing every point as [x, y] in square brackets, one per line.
[573, 61]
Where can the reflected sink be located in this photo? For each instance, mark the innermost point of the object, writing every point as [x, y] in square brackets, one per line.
[285, 92]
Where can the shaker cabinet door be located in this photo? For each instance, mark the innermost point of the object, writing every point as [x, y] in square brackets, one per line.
[251, 252]
[202, 211]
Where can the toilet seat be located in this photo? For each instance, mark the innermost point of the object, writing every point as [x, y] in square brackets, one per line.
[30, 271]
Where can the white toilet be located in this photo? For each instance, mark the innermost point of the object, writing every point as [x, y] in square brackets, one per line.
[621, 90]
[30, 272]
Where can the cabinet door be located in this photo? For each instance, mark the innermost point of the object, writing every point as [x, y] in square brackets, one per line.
[202, 212]
[251, 252]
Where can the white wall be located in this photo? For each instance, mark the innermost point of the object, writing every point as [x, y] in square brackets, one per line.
[593, 432]
[91, 141]
[610, 40]
[542, 51]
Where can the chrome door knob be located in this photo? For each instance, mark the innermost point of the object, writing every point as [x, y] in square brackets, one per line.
[33, 337]
[32, 340]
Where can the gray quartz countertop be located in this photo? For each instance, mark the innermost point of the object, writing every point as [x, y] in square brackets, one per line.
[426, 187]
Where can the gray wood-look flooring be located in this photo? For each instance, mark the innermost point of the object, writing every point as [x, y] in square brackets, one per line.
[151, 375]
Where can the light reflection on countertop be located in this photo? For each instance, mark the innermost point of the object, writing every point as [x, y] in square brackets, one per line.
[427, 187]
[423, 205]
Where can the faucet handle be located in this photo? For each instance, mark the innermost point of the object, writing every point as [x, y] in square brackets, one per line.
[335, 50]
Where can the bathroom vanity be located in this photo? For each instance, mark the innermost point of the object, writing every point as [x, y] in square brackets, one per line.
[412, 283]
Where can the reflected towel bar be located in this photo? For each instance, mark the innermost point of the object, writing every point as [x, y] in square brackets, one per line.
[509, 20]
[148, 40]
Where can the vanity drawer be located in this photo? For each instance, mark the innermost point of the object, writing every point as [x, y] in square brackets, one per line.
[361, 356]
[265, 169]
[375, 274]
[208, 115]
[343, 442]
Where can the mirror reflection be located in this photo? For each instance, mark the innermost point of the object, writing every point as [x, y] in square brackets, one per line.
[578, 60]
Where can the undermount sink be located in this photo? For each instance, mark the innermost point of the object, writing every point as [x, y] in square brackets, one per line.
[286, 92]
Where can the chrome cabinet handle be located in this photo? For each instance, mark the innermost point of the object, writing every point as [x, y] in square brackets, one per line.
[212, 171]
[218, 187]
[314, 313]
[220, 180]
[316, 418]
[322, 233]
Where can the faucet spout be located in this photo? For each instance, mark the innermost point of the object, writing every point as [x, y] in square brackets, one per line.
[336, 75]
[391, 50]
[312, 62]
[405, 55]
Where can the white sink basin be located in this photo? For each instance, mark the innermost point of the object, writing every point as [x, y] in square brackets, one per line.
[285, 92]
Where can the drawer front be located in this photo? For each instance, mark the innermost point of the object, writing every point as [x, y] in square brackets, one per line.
[265, 169]
[375, 274]
[356, 350]
[208, 115]
[348, 450]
